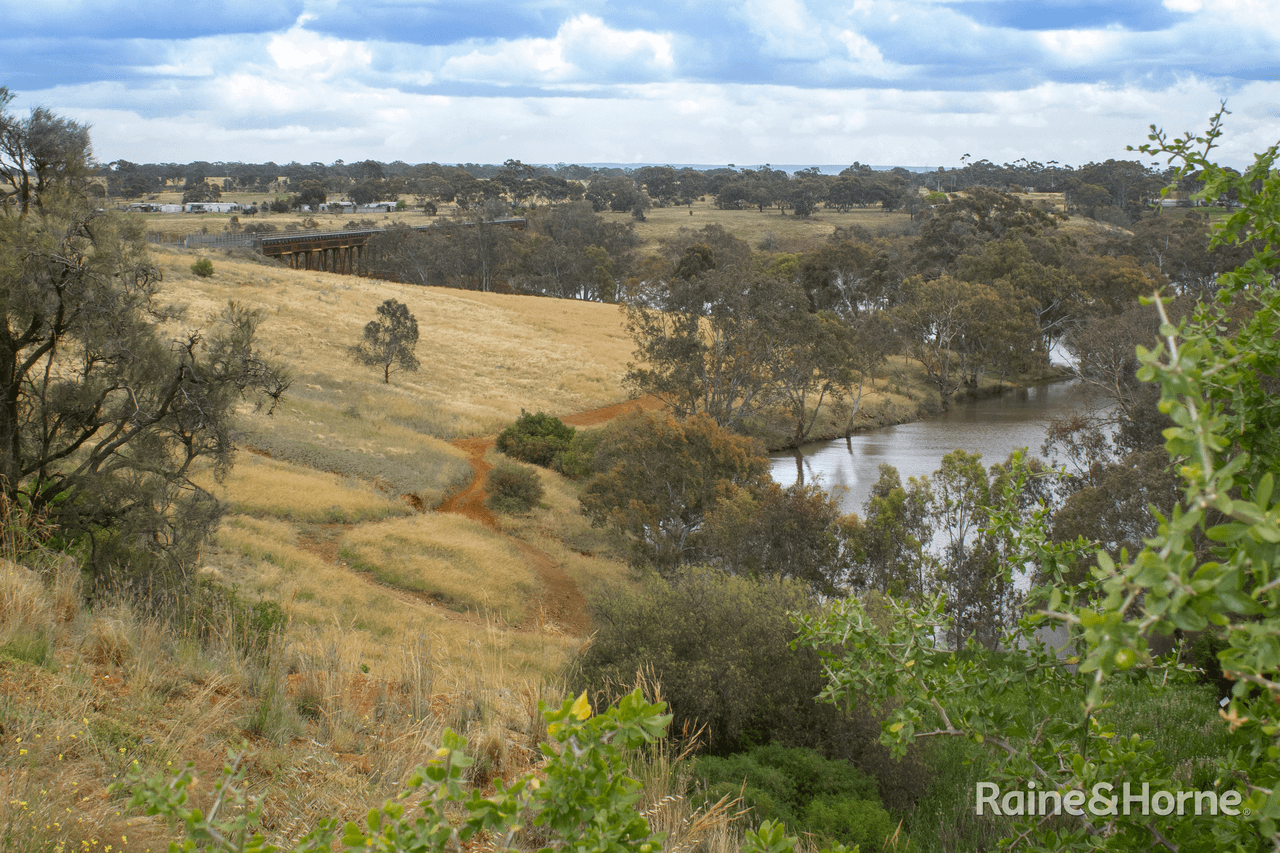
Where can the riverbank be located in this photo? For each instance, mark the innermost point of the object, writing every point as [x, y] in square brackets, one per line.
[992, 427]
[901, 393]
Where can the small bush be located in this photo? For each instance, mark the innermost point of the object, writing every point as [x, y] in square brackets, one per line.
[537, 439]
[831, 799]
[848, 821]
[203, 267]
[512, 489]
[578, 461]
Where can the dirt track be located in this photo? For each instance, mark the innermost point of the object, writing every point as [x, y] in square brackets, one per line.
[562, 603]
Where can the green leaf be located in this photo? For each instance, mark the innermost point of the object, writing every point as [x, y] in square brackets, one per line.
[353, 835]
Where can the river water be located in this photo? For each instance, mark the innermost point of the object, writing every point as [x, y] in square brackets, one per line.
[993, 427]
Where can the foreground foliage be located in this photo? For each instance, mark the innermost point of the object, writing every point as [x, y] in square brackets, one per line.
[804, 791]
[582, 799]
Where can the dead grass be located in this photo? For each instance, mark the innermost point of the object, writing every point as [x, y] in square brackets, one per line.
[334, 739]
[263, 556]
[266, 487]
[780, 233]
[485, 356]
[450, 558]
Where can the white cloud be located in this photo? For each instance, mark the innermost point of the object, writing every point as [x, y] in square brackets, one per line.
[584, 50]
[785, 29]
[1081, 46]
[864, 55]
[599, 90]
[254, 120]
[301, 52]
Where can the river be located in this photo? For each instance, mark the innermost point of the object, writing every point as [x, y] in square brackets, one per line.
[993, 427]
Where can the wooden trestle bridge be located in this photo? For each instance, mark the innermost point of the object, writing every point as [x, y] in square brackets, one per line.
[336, 251]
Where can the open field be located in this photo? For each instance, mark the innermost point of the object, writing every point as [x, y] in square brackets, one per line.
[326, 513]
[770, 228]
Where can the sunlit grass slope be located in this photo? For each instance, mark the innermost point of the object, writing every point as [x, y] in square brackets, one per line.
[327, 496]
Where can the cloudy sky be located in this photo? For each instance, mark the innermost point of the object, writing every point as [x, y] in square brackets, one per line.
[887, 82]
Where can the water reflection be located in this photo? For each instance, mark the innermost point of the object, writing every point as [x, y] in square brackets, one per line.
[994, 427]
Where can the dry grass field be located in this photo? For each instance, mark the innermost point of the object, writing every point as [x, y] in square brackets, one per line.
[326, 498]
[400, 620]
[778, 232]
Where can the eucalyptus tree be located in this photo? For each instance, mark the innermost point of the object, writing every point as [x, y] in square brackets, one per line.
[111, 403]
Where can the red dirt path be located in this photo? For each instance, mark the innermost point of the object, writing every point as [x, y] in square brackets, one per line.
[562, 602]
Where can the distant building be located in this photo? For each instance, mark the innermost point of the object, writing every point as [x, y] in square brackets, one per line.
[211, 207]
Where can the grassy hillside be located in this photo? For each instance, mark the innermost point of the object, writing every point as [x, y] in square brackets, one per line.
[399, 621]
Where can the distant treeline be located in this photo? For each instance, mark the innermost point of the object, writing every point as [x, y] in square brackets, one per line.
[1116, 190]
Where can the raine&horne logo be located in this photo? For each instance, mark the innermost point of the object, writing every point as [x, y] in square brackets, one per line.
[1101, 801]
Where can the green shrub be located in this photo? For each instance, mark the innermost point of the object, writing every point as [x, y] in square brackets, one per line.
[512, 488]
[537, 439]
[203, 267]
[578, 461]
[799, 787]
[30, 646]
[849, 822]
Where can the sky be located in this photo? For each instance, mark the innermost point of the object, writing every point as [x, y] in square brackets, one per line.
[886, 82]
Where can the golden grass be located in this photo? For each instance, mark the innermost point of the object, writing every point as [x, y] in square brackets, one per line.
[447, 557]
[345, 446]
[126, 688]
[23, 606]
[786, 233]
[484, 356]
[266, 487]
[267, 557]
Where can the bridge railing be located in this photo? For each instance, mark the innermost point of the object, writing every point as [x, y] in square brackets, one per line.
[224, 240]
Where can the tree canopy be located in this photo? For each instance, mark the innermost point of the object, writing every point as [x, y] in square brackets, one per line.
[110, 403]
[389, 340]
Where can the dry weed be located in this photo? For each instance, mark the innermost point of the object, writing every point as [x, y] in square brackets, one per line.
[109, 640]
[445, 557]
[266, 487]
[67, 595]
[24, 606]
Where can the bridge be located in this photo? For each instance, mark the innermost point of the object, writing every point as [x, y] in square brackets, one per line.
[327, 251]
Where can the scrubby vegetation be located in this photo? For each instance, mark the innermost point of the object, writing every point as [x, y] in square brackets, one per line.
[799, 788]
[538, 439]
[512, 489]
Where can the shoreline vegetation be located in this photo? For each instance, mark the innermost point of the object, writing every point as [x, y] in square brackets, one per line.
[880, 410]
